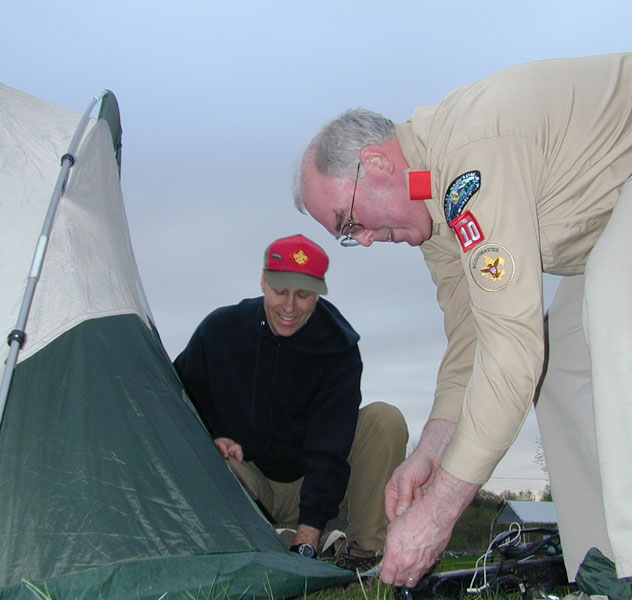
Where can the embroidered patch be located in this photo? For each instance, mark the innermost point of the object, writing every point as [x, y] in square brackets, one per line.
[300, 258]
[459, 192]
[468, 231]
[492, 267]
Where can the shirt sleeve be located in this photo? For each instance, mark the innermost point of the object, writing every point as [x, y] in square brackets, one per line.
[453, 297]
[500, 334]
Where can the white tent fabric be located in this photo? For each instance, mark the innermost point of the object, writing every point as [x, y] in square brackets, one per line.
[30, 159]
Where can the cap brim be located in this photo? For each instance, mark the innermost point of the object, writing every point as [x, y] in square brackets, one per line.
[295, 281]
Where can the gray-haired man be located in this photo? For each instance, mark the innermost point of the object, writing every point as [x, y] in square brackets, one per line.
[504, 179]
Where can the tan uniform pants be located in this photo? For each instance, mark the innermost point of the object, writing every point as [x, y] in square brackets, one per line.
[585, 407]
[379, 446]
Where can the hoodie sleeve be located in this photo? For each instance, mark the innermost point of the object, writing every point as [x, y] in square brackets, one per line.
[332, 423]
[195, 367]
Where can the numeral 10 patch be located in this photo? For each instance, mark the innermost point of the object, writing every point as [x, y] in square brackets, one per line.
[467, 230]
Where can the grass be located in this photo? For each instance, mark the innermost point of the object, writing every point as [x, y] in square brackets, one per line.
[376, 590]
[384, 592]
[362, 589]
[456, 563]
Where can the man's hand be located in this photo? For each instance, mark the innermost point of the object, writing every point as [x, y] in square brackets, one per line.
[416, 473]
[229, 449]
[418, 536]
[406, 485]
[305, 534]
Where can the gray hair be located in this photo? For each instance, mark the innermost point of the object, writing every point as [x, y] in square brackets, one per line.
[335, 150]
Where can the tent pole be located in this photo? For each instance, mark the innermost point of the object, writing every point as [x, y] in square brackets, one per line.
[17, 337]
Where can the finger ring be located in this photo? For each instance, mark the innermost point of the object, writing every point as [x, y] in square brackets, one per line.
[411, 579]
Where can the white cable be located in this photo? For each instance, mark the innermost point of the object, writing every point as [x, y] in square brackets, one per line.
[515, 527]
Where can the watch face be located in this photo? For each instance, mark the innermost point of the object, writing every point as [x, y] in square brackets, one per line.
[307, 550]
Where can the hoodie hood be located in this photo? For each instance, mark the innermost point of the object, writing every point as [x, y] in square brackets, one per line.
[326, 331]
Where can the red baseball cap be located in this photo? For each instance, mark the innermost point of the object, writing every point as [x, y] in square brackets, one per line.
[296, 263]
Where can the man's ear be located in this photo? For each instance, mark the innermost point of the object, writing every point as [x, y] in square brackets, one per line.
[263, 282]
[377, 159]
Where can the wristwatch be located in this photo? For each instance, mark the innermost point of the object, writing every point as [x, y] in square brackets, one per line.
[304, 549]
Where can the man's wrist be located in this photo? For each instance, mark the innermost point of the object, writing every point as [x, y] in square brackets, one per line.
[436, 435]
[450, 493]
[306, 534]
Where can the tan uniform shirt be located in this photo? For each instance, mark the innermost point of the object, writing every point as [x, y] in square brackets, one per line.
[541, 150]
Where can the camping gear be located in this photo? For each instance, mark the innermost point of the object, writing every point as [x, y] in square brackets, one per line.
[510, 565]
[597, 576]
[110, 486]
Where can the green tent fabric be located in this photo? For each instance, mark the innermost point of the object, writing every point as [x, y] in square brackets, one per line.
[597, 576]
[110, 486]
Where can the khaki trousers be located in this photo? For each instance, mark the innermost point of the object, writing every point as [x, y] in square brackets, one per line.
[379, 446]
[585, 406]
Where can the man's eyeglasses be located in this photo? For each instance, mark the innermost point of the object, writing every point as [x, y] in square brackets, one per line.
[351, 228]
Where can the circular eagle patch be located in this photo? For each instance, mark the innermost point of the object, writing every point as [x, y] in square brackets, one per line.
[492, 267]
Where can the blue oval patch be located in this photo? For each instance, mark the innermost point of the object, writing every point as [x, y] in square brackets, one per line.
[459, 192]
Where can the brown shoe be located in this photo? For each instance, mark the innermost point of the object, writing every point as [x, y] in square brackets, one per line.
[354, 558]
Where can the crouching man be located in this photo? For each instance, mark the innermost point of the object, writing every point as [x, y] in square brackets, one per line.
[276, 380]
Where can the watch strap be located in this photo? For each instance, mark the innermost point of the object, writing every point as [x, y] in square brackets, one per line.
[304, 549]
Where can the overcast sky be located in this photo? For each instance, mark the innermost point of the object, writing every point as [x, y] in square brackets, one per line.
[218, 100]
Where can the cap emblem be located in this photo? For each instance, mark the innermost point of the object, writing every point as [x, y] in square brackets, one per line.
[300, 258]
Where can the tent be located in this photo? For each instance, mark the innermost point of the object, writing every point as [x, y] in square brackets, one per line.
[110, 486]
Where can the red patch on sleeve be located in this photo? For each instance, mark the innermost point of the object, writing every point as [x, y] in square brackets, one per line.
[467, 230]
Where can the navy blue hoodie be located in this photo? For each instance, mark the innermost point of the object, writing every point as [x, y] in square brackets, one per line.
[291, 402]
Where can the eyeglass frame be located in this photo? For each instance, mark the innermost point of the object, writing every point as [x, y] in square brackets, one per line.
[351, 227]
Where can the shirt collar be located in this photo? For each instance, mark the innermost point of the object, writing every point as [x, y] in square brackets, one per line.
[414, 151]
[418, 178]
